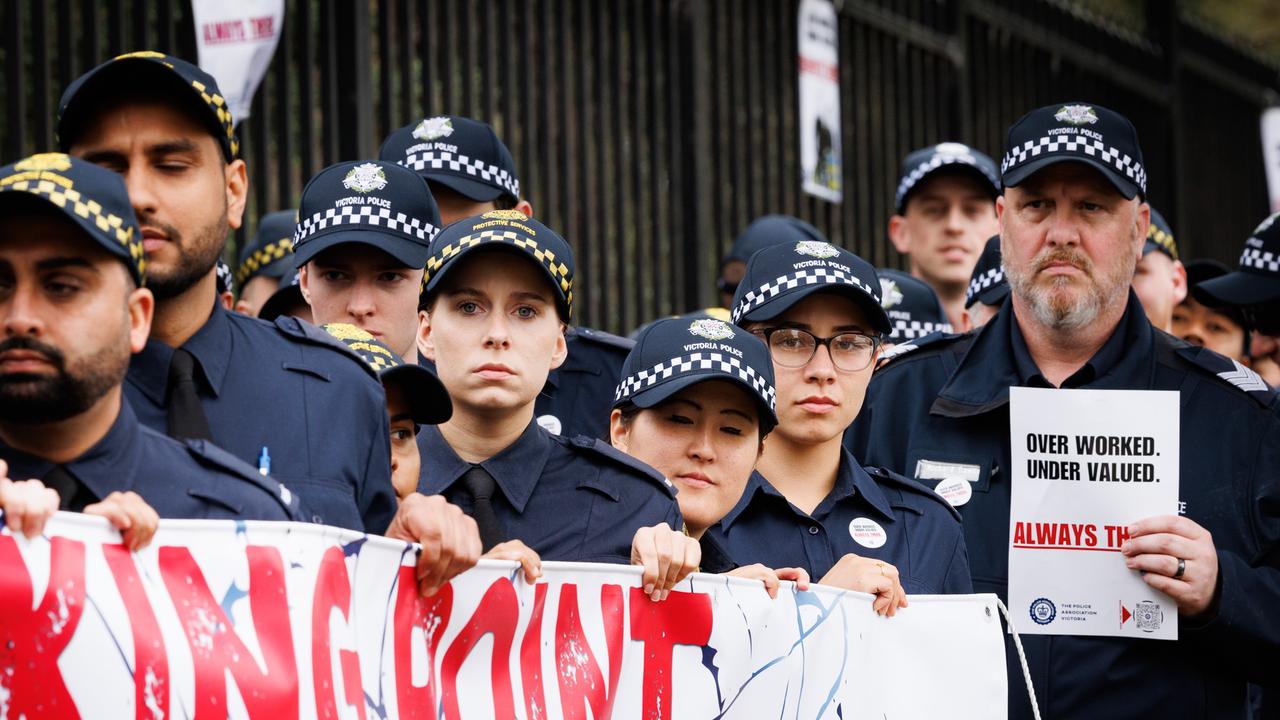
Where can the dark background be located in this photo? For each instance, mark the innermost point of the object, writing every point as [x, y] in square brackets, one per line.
[649, 132]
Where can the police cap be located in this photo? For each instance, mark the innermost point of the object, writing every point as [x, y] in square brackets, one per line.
[922, 163]
[93, 197]
[462, 154]
[428, 400]
[987, 285]
[1075, 132]
[271, 251]
[912, 306]
[674, 353]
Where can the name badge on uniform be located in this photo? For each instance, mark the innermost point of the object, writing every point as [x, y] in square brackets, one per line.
[550, 423]
[955, 479]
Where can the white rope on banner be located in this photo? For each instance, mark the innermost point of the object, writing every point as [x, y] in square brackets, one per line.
[1022, 658]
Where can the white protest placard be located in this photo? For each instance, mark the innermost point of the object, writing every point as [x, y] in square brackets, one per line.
[1087, 464]
[1271, 154]
[821, 159]
[235, 40]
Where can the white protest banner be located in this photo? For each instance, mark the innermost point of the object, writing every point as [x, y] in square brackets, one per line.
[1271, 154]
[1086, 464]
[235, 40]
[281, 621]
[821, 160]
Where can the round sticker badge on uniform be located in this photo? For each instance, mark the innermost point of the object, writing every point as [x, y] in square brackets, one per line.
[550, 423]
[867, 533]
[954, 490]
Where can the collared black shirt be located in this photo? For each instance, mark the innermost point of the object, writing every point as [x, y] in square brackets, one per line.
[319, 412]
[191, 479]
[894, 521]
[948, 406]
[573, 500]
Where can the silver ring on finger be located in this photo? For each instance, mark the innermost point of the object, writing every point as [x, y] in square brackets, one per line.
[1182, 568]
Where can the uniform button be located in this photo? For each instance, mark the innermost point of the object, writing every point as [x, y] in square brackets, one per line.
[317, 519]
[813, 529]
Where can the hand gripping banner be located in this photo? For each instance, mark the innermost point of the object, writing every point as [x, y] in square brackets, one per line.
[282, 621]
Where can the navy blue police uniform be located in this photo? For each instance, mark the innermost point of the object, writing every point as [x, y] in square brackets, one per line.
[673, 354]
[566, 498]
[194, 479]
[943, 412]
[870, 511]
[465, 156]
[270, 392]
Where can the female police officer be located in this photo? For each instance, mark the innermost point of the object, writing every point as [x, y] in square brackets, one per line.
[810, 503]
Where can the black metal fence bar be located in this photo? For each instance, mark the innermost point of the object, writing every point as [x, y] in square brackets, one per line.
[651, 131]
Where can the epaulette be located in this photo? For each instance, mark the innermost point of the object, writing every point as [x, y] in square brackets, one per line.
[297, 330]
[600, 337]
[600, 450]
[1230, 372]
[208, 454]
[932, 339]
[913, 486]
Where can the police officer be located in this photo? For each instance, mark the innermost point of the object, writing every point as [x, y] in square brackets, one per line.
[1221, 329]
[265, 260]
[763, 232]
[267, 393]
[471, 171]
[987, 287]
[362, 239]
[498, 292]
[73, 311]
[912, 306]
[1255, 289]
[810, 503]
[287, 300]
[415, 397]
[944, 211]
[1161, 280]
[1073, 224]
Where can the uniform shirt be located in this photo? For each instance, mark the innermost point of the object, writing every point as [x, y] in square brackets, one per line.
[575, 500]
[290, 387]
[578, 396]
[949, 404]
[895, 520]
[191, 479]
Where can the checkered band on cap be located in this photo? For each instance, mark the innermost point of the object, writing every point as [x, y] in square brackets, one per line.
[1123, 163]
[932, 164]
[993, 276]
[559, 271]
[218, 105]
[263, 257]
[1260, 260]
[455, 162]
[912, 329]
[371, 215]
[699, 361]
[807, 276]
[111, 225]
[375, 354]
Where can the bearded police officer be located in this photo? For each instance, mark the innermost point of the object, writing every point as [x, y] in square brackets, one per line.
[72, 312]
[1073, 223]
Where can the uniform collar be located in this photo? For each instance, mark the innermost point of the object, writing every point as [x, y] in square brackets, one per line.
[999, 359]
[109, 466]
[210, 346]
[516, 468]
[851, 480]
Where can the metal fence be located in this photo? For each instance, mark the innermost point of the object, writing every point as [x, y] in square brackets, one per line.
[651, 131]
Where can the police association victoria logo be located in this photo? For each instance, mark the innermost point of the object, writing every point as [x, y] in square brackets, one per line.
[1043, 611]
[951, 149]
[816, 248]
[1076, 115]
[434, 128]
[365, 177]
[890, 295]
[711, 329]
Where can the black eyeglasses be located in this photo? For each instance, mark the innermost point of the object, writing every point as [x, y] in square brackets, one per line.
[794, 348]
